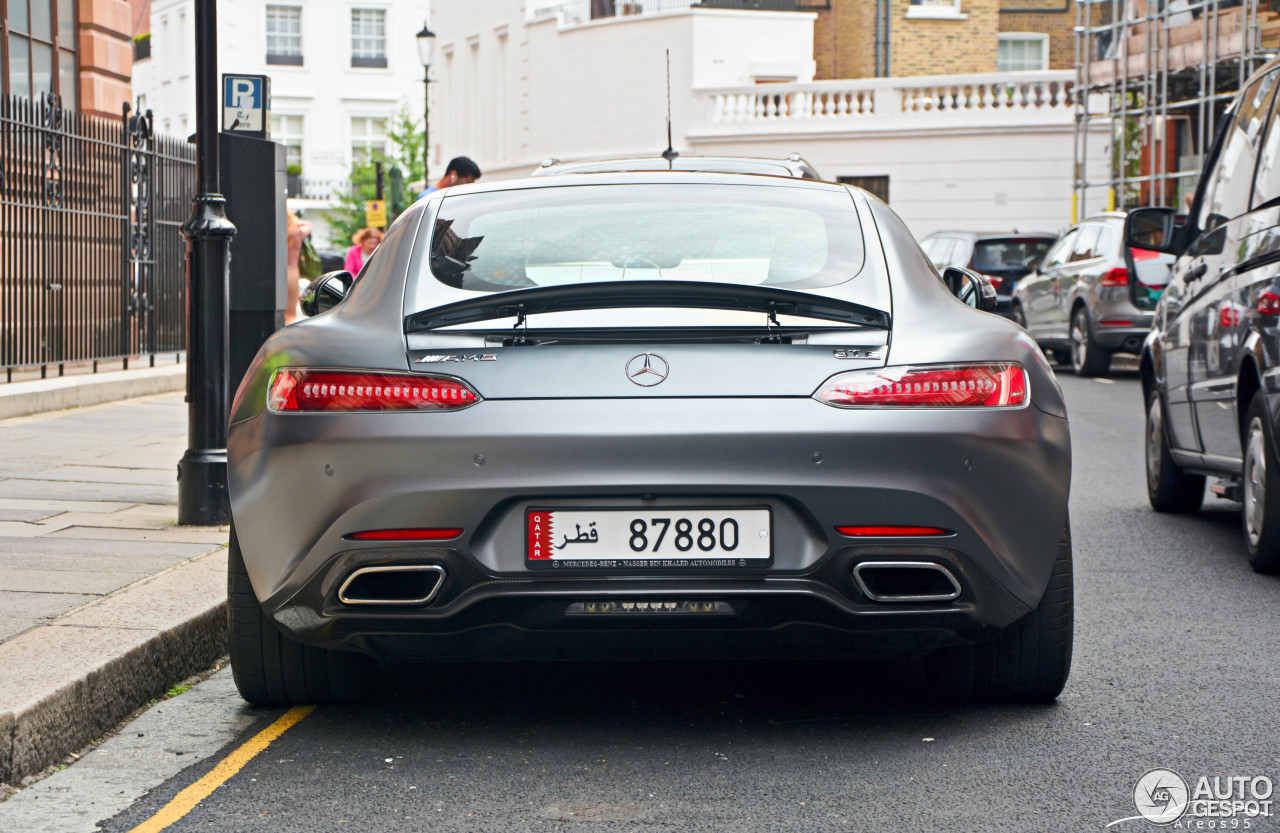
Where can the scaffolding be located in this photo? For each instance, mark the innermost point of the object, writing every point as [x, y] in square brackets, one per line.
[1159, 74]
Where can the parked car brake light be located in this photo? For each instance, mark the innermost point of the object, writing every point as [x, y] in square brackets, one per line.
[1118, 276]
[1144, 254]
[298, 389]
[1269, 303]
[985, 385]
[996, 280]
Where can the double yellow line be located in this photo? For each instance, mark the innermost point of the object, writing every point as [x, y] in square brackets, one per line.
[187, 800]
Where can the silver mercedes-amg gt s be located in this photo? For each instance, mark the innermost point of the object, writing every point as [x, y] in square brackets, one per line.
[649, 416]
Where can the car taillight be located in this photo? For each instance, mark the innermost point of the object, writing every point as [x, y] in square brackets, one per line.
[1269, 303]
[986, 385]
[996, 280]
[1118, 276]
[296, 389]
[1144, 254]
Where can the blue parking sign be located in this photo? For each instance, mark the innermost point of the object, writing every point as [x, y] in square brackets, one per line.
[245, 103]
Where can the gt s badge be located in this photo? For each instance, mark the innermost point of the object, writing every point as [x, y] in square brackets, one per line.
[857, 354]
[470, 357]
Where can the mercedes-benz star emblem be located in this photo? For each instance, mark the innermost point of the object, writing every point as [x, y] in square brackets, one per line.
[647, 369]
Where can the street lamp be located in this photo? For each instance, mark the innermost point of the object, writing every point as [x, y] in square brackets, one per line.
[426, 51]
[202, 473]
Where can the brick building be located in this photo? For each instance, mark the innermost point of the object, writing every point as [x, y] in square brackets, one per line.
[78, 49]
[897, 38]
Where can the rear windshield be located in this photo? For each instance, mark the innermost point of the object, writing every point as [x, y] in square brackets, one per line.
[799, 238]
[1009, 253]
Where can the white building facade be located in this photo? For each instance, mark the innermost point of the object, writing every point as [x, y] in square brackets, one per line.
[519, 81]
[339, 72]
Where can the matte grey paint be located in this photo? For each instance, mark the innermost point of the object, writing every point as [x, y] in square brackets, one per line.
[732, 424]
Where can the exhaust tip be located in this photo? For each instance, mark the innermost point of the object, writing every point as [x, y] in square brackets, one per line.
[906, 581]
[392, 585]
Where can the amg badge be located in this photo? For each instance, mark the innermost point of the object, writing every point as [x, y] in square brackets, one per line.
[469, 357]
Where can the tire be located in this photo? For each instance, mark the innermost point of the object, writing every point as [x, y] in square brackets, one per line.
[1168, 488]
[1019, 317]
[269, 668]
[1030, 660]
[1088, 358]
[1260, 490]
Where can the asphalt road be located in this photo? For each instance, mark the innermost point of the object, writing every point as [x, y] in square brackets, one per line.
[1175, 667]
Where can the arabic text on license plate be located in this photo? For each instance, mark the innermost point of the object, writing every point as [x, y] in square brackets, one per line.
[651, 537]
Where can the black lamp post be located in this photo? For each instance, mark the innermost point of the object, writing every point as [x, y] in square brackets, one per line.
[426, 51]
[202, 473]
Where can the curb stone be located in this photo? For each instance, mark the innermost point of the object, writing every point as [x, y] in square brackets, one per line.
[89, 698]
[40, 395]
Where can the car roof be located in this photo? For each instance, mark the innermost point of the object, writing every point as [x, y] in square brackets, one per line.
[984, 235]
[793, 165]
[641, 178]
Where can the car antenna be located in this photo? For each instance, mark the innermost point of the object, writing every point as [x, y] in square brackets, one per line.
[670, 153]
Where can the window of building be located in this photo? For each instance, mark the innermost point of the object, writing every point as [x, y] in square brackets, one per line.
[936, 9]
[39, 48]
[284, 35]
[878, 185]
[287, 130]
[1022, 51]
[368, 136]
[368, 37]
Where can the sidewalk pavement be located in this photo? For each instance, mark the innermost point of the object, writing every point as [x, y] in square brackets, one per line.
[104, 601]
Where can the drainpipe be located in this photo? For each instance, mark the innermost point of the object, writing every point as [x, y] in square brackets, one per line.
[879, 24]
[884, 37]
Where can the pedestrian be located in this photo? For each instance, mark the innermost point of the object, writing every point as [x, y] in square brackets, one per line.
[365, 240]
[461, 171]
[297, 230]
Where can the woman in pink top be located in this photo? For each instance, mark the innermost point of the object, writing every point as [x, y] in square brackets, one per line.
[366, 240]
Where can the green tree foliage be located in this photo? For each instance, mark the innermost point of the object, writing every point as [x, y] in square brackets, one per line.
[404, 135]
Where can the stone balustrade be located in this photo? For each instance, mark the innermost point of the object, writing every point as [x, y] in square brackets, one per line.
[892, 103]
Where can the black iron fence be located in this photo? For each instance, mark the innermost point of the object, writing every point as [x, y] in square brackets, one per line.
[91, 253]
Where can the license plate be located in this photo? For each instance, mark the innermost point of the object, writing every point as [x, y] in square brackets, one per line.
[648, 538]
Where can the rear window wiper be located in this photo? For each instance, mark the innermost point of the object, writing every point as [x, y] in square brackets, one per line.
[767, 300]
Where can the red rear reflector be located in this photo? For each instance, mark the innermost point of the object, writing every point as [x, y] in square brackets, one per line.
[1118, 276]
[1269, 303]
[1116, 322]
[890, 531]
[405, 535]
[988, 385]
[295, 389]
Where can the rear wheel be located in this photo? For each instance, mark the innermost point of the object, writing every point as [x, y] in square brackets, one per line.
[1261, 490]
[1019, 317]
[1030, 660]
[1168, 487]
[1088, 358]
[270, 669]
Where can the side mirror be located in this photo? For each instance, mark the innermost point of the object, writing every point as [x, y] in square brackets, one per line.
[1151, 229]
[971, 288]
[325, 293]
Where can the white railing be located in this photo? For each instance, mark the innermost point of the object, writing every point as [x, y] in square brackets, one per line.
[961, 100]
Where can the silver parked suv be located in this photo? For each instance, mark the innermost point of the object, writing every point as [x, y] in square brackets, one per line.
[1091, 296]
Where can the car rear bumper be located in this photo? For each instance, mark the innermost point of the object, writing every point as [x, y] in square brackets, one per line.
[300, 484]
[479, 616]
[1117, 324]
